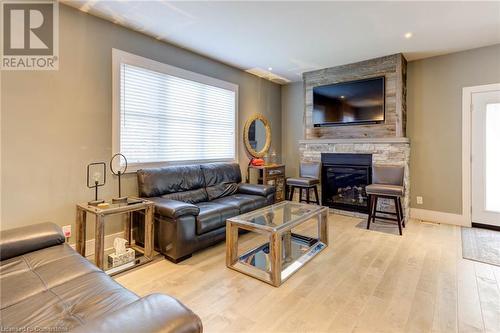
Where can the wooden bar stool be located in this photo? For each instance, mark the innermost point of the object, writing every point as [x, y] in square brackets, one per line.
[387, 182]
[308, 180]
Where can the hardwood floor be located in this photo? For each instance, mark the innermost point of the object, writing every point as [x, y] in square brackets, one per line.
[365, 281]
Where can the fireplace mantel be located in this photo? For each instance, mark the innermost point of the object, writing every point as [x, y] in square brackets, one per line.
[360, 140]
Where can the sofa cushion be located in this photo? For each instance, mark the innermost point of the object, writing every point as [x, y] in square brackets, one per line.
[221, 190]
[170, 316]
[256, 189]
[173, 208]
[30, 274]
[213, 216]
[192, 196]
[243, 202]
[221, 179]
[56, 286]
[18, 241]
[156, 182]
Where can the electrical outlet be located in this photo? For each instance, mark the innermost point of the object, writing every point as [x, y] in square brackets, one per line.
[67, 230]
[420, 200]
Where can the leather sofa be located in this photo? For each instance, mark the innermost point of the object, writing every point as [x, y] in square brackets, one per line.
[47, 286]
[193, 203]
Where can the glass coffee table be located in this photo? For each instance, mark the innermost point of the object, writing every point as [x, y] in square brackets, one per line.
[285, 251]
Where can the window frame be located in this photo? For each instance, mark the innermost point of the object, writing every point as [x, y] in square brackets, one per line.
[121, 57]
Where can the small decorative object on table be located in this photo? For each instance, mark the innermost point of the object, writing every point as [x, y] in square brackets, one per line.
[122, 254]
[267, 159]
[117, 159]
[274, 157]
[256, 162]
[98, 170]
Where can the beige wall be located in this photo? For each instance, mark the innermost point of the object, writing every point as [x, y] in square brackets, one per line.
[435, 122]
[434, 102]
[292, 130]
[55, 122]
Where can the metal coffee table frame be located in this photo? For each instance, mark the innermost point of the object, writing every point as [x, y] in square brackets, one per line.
[280, 239]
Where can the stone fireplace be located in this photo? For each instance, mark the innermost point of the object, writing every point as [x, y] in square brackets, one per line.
[381, 151]
[384, 143]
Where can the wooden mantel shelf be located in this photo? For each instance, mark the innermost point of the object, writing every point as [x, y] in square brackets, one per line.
[354, 140]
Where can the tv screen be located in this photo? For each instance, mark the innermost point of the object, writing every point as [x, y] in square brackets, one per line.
[354, 102]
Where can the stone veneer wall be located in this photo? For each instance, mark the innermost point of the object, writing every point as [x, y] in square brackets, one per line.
[392, 67]
[388, 153]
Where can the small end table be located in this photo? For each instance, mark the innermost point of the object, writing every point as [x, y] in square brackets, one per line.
[127, 208]
[271, 174]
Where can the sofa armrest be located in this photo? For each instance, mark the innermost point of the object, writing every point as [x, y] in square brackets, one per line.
[173, 208]
[18, 241]
[153, 313]
[255, 189]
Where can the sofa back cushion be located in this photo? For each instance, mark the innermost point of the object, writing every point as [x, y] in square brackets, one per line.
[187, 179]
[193, 196]
[221, 179]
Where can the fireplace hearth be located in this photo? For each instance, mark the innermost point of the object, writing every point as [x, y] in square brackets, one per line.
[344, 179]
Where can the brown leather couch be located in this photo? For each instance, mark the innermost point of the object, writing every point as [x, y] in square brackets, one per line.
[47, 286]
[193, 203]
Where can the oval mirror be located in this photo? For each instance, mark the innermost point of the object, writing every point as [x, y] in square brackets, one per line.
[257, 135]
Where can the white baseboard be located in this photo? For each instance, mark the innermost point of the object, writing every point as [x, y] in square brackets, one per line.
[108, 243]
[438, 217]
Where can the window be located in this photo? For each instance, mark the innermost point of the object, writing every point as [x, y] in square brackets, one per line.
[163, 114]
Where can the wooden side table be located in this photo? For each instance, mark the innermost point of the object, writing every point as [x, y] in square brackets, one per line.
[273, 174]
[114, 209]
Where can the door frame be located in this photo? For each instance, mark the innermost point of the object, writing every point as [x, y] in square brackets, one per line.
[466, 147]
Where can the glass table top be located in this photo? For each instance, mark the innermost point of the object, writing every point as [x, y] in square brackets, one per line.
[278, 215]
[112, 207]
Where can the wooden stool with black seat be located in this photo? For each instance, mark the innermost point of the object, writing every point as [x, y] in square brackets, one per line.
[307, 180]
[387, 182]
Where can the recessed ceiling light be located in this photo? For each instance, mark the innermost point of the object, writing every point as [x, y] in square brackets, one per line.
[408, 35]
[269, 68]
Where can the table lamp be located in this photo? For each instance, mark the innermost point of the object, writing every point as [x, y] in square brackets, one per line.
[97, 180]
[119, 172]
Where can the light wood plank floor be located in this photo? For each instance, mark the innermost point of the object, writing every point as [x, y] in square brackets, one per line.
[365, 281]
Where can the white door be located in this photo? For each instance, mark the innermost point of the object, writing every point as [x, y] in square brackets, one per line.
[485, 145]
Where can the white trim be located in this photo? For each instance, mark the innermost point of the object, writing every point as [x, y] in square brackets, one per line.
[438, 217]
[119, 57]
[466, 146]
[108, 243]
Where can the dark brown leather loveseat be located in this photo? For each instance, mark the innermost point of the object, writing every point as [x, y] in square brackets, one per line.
[193, 203]
[46, 286]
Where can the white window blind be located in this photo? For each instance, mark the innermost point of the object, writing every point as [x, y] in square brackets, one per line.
[165, 118]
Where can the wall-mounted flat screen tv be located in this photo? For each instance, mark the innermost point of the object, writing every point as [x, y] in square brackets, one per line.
[348, 103]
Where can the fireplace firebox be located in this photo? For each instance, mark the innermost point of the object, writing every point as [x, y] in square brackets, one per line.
[344, 179]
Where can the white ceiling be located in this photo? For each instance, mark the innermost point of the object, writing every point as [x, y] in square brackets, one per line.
[296, 37]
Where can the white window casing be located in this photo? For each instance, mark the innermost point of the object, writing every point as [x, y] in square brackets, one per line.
[167, 115]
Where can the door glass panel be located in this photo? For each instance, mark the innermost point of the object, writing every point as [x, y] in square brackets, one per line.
[493, 157]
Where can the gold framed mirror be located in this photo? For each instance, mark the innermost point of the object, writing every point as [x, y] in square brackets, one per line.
[257, 135]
